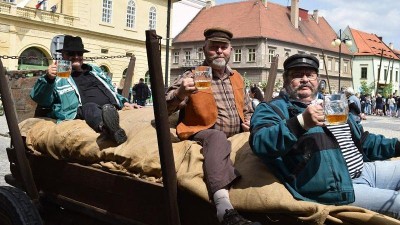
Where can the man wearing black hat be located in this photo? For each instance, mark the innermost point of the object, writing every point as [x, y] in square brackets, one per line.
[212, 115]
[329, 164]
[88, 94]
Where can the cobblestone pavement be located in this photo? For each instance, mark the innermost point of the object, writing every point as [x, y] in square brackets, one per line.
[388, 126]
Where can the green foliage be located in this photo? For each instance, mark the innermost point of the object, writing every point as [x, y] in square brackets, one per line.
[387, 90]
[365, 88]
[247, 82]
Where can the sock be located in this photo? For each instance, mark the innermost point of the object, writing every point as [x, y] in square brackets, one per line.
[222, 203]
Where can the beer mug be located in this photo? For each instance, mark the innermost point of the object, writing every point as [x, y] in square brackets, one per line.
[336, 109]
[63, 68]
[202, 77]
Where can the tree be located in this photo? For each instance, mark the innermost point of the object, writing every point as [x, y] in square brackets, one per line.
[388, 90]
[366, 89]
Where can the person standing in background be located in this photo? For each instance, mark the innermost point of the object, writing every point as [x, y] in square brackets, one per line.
[142, 92]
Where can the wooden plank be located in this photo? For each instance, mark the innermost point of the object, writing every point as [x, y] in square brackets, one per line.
[129, 77]
[269, 89]
[113, 194]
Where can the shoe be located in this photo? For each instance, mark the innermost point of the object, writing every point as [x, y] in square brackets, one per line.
[111, 124]
[232, 217]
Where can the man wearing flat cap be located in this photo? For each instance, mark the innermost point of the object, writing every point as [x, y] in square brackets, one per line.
[210, 116]
[329, 164]
[87, 94]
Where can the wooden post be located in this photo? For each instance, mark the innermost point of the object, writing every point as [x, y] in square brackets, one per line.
[379, 73]
[16, 138]
[269, 89]
[129, 77]
[162, 127]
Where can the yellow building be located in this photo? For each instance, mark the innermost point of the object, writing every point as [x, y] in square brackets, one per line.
[111, 30]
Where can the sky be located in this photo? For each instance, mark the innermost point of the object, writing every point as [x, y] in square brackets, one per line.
[378, 17]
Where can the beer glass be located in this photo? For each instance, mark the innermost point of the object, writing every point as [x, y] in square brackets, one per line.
[202, 77]
[336, 109]
[63, 68]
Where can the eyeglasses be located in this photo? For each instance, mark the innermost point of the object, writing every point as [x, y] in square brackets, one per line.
[74, 53]
[298, 76]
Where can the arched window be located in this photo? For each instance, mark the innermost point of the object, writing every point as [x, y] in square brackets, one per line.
[147, 78]
[130, 14]
[106, 70]
[152, 18]
[32, 59]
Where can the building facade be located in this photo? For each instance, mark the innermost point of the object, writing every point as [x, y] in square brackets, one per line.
[374, 64]
[185, 11]
[111, 30]
[262, 30]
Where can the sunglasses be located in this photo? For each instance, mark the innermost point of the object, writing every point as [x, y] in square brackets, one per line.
[74, 53]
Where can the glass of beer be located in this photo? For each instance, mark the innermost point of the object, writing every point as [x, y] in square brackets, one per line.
[336, 109]
[202, 77]
[63, 68]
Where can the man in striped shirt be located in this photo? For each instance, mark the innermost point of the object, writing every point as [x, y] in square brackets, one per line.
[210, 116]
[330, 164]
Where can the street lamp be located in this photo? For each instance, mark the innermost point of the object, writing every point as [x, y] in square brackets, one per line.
[338, 42]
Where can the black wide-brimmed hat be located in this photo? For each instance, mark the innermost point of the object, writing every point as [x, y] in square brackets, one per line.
[301, 60]
[72, 44]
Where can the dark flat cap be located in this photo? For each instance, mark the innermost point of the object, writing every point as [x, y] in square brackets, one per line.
[218, 34]
[301, 60]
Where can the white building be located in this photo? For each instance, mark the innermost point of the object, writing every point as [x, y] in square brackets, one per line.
[184, 11]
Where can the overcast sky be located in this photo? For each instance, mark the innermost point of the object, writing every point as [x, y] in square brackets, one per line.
[378, 17]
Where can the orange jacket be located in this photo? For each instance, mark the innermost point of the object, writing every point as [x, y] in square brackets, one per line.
[201, 109]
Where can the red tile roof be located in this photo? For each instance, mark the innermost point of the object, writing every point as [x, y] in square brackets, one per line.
[249, 19]
[370, 44]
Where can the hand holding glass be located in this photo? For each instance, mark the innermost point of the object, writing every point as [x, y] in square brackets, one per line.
[202, 77]
[336, 109]
[63, 68]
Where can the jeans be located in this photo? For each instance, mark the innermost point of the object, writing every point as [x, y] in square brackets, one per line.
[377, 188]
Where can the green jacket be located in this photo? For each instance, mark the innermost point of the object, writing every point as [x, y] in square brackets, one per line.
[310, 163]
[62, 97]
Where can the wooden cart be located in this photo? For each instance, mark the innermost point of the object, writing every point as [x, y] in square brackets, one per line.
[71, 193]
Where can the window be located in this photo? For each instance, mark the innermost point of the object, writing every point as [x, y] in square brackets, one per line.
[130, 14]
[107, 11]
[200, 54]
[330, 64]
[9, 1]
[252, 55]
[104, 51]
[345, 67]
[152, 18]
[176, 57]
[321, 64]
[336, 65]
[397, 76]
[187, 55]
[238, 55]
[271, 54]
[385, 73]
[32, 58]
[364, 72]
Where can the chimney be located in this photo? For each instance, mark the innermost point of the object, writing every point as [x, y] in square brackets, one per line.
[209, 4]
[391, 46]
[265, 3]
[294, 13]
[315, 15]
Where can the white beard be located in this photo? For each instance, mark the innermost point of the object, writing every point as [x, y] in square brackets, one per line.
[218, 63]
